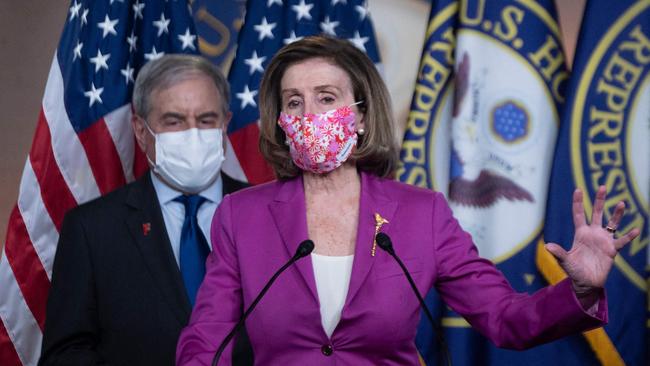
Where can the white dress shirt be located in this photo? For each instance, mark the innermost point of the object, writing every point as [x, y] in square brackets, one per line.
[332, 274]
[174, 212]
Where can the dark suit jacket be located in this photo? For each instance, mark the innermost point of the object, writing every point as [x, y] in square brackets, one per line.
[117, 295]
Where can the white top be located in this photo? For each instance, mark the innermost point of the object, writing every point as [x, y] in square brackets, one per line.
[332, 281]
[174, 212]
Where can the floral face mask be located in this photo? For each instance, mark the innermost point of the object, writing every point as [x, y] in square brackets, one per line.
[320, 143]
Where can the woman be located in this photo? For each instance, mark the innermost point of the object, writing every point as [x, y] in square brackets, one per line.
[327, 132]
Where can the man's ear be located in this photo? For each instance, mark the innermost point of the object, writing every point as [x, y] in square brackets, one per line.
[139, 130]
[226, 141]
[228, 117]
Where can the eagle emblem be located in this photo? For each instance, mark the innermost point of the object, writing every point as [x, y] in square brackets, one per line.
[471, 182]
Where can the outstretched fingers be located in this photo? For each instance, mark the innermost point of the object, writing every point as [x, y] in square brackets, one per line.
[599, 204]
[619, 243]
[613, 222]
[578, 210]
[558, 252]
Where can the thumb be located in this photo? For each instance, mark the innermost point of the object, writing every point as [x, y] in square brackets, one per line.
[558, 252]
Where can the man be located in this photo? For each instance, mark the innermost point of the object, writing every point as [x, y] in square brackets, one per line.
[128, 264]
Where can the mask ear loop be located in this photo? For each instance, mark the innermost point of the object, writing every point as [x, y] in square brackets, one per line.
[146, 125]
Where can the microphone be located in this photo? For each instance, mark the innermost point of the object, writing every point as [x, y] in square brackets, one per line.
[384, 242]
[304, 249]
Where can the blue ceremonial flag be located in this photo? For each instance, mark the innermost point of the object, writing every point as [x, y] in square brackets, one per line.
[482, 129]
[604, 140]
[217, 25]
[268, 26]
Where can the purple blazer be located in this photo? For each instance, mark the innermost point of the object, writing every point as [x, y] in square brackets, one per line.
[255, 231]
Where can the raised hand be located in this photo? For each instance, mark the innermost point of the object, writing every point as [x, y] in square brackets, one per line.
[594, 247]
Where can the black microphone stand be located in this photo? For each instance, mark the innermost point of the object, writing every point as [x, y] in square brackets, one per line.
[384, 242]
[303, 250]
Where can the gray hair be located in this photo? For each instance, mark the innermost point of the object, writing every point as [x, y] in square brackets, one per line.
[171, 69]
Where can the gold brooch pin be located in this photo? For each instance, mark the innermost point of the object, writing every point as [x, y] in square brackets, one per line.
[379, 221]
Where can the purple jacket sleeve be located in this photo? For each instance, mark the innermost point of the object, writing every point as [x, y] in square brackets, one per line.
[477, 290]
[219, 300]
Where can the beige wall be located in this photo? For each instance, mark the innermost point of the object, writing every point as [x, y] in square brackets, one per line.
[29, 32]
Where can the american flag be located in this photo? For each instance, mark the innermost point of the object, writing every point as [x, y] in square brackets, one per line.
[83, 145]
[269, 25]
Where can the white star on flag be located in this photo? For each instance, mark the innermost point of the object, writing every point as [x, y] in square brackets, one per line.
[162, 24]
[77, 51]
[362, 10]
[265, 29]
[359, 41]
[127, 73]
[187, 39]
[247, 97]
[100, 60]
[74, 10]
[328, 27]
[334, 2]
[153, 55]
[108, 26]
[84, 17]
[255, 63]
[292, 38]
[137, 10]
[94, 95]
[302, 10]
[131, 40]
[271, 2]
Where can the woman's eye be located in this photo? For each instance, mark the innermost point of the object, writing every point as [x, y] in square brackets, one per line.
[327, 99]
[293, 104]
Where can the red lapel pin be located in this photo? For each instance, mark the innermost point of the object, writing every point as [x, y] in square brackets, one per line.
[146, 228]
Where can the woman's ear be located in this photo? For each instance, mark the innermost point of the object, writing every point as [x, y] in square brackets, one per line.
[361, 122]
[361, 127]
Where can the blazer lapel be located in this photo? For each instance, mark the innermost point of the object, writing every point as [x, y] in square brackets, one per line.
[147, 227]
[373, 200]
[289, 214]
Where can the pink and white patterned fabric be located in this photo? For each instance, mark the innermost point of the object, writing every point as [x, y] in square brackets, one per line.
[320, 142]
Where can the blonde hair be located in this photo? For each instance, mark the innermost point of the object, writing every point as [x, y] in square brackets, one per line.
[377, 149]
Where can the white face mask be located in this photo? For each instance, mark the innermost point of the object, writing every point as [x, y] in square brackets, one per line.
[188, 160]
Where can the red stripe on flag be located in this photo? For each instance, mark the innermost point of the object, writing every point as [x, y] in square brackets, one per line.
[55, 193]
[103, 157]
[8, 353]
[245, 143]
[27, 267]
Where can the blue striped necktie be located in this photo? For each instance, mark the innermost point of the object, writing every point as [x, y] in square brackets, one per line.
[194, 248]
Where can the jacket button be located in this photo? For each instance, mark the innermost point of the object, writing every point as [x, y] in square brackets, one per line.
[327, 350]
